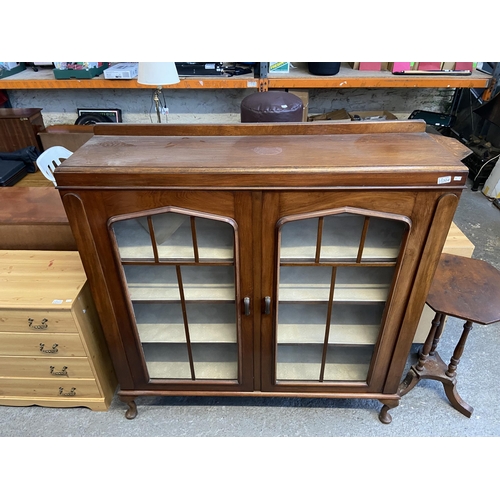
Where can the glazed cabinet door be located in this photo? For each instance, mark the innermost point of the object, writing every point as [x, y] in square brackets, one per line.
[180, 275]
[336, 268]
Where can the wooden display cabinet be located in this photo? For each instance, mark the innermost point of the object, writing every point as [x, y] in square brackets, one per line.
[286, 260]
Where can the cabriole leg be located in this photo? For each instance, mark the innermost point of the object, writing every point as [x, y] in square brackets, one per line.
[389, 404]
[131, 413]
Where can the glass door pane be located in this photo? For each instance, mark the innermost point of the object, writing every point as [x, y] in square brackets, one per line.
[180, 273]
[335, 275]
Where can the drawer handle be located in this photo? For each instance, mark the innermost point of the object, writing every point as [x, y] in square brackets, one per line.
[62, 373]
[49, 351]
[42, 326]
[70, 393]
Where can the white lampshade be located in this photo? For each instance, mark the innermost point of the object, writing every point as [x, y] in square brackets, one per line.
[157, 73]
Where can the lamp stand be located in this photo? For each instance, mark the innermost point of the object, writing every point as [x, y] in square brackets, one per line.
[158, 74]
[157, 103]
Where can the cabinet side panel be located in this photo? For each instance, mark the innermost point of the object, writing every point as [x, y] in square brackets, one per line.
[77, 216]
[440, 224]
[91, 331]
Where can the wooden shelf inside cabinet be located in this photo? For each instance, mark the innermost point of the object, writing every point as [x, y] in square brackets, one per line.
[352, 323]
[299, 77]
[211, 361]
[208, 322]
[44, 79]
[303, 363]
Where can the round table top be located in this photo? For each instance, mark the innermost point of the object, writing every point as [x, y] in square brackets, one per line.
[466, 288]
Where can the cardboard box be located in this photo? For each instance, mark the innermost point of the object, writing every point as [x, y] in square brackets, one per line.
[368, 66]
[395, 67]
[279, 67]
[337, 115]
[466, 66]
[9, 69]
[491, 187]
[304, 96]
[427, 66]
[122, 71]
[81, 70]
[459, 66]
[371, 115]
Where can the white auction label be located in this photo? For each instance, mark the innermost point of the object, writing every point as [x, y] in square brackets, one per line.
[444, 180]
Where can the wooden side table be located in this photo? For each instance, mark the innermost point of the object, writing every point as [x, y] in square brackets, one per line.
[465, 288]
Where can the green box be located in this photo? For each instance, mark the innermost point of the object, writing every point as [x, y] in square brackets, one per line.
[4, 73]
[79, 74]
[279, 67]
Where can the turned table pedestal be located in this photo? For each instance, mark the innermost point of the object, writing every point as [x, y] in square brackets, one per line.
[464, 288]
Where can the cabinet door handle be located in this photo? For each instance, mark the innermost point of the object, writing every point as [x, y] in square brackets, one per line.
[267, 305]
[246, 302]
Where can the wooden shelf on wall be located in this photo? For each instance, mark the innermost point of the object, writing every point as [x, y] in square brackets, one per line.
[299, 77]
[44, 79]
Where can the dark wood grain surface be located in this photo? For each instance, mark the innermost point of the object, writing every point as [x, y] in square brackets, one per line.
[466, 288]
[31, 205]
[268, 161]
[256, 181]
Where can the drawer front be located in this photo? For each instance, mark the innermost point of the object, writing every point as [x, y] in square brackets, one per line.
[36, 321]
[34, 367]
[48, 388]
[33, 344]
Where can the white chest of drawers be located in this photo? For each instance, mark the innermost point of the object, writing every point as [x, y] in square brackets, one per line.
[52, 350]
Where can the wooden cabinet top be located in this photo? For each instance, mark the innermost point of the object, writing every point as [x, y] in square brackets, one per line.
[40, 279]
[359, 155]
[17, 113]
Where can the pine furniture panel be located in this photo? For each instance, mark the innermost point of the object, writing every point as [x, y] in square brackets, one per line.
[52, 350]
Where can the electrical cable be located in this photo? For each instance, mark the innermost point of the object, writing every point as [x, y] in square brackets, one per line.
[484, 165]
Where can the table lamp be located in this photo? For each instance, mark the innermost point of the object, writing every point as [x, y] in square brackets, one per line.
[159, 74]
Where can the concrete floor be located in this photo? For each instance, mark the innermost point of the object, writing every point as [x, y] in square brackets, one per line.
[424, 411]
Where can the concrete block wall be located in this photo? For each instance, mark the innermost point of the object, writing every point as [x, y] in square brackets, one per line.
[59, 106]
